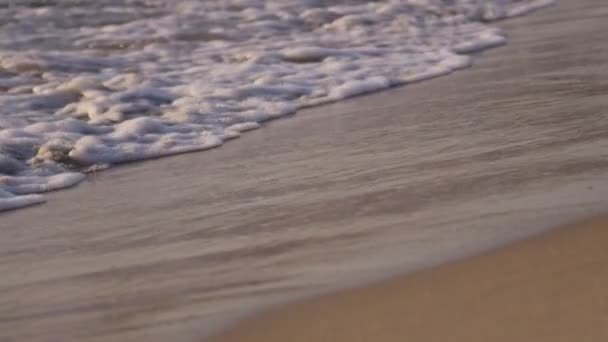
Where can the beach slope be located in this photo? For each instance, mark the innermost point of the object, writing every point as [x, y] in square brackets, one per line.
[550, 288]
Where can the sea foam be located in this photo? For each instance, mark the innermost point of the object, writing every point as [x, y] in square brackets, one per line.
[89, 84]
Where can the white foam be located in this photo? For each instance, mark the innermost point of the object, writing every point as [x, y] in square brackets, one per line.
[87, 85]
[9, 201]
[22, 191]
[36, 184]
[356, 87]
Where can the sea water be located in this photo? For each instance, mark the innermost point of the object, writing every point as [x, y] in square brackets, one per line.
[85, 84]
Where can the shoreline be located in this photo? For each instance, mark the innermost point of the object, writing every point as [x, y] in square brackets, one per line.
[546, 288]
[386, 183]
[363, 312]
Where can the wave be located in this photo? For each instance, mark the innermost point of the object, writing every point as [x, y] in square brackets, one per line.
[88, 84]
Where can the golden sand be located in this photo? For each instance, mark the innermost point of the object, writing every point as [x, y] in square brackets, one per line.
[551, 288]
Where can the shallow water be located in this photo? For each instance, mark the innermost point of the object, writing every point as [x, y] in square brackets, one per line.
[87, 84]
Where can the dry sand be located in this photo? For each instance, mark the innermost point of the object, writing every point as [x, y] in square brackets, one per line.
[547, 289]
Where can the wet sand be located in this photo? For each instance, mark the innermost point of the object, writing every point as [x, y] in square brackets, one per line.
[551, 288]
[393, 182]
[546, 288]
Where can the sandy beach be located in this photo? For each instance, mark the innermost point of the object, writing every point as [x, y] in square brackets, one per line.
[547, 288]
[551, 288]
[391, 183]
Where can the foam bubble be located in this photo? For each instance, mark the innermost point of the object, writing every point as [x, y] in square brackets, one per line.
[86, 86]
